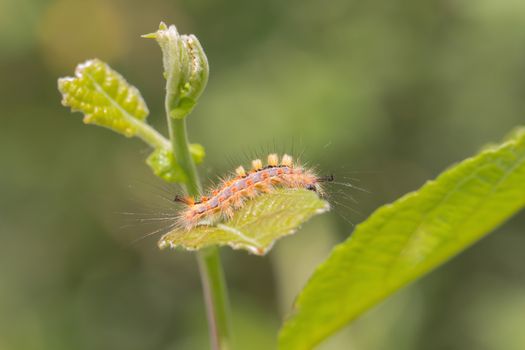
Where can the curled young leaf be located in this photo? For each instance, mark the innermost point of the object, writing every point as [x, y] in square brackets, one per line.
[256, 226]
[185, 69]
[163, 163]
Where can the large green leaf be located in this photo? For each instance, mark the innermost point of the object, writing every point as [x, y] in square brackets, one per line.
[256, 226]
[404, 240]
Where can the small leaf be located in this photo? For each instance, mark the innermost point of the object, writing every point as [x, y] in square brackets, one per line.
[256, 226]
[185, 68]
[105, 98]
[163, 163]
[404, 240]
[197, 152]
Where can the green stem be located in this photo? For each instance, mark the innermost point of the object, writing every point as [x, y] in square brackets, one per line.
[215, 296]
[151, 136]
[212, 277]
[181, 150]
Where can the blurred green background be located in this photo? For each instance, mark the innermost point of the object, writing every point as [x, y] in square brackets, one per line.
[388, 93]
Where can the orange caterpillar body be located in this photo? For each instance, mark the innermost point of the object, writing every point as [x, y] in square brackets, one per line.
[232, 193]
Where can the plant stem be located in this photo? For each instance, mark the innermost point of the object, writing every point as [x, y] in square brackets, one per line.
[210, 268]
[181, 150]
[216, 297]
[149, 135]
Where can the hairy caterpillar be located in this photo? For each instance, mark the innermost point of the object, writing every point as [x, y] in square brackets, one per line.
[233, 192]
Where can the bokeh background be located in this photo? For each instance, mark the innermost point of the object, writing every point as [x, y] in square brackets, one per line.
[384, 94]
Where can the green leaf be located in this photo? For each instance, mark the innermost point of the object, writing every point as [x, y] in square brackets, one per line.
[197, 152]
[404, 240]
[108, 100]
[163, 163]
[256, 226]
[185, 68]
[105, 97]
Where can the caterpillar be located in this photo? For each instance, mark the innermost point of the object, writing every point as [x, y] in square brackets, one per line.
[233, 192]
